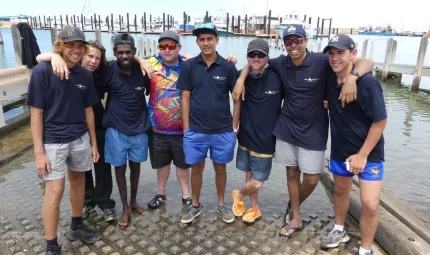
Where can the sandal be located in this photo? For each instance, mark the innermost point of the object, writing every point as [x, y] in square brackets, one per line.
[289, 228]
[287, 214]
[187, 201]
[157, 201]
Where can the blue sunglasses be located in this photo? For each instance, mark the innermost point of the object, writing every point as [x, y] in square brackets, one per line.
[206, 25]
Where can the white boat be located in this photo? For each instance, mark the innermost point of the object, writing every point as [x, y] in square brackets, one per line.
[293, 18]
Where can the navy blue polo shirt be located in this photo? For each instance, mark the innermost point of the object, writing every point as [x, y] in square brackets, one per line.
[304, 120]
[126, 108]
[63, 101]
[260, 111]
[210, 87]
[350, 125]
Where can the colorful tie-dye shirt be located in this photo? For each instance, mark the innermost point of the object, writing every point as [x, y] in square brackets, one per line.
[165, 99]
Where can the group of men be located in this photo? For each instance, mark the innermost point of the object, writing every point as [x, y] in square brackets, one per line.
[284, 117]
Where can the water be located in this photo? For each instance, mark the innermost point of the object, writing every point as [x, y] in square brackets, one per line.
[408, 131]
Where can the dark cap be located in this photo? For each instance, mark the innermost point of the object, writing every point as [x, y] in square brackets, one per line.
[123, 39]
[258, 45]
[208, 28]
[71, 34]
[341, 42]
[169, 34]
[294, 29]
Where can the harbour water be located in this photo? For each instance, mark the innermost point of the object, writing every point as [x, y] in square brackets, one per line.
[407, 134]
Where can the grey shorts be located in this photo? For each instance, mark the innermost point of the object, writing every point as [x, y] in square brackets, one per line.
[308, 161]
[74, 156]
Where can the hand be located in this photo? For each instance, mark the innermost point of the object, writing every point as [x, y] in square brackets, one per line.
[59, 67]
[357, 163]
[43, 165]
[186, 57]
[235, 130]
[239, 89]
[147, 68]
[95, 154]
[185, 130]
[325, 102]
[348, 93]
[231, 58]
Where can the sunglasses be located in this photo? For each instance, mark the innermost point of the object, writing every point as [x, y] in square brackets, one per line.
[170, 46]
[297, 41]
[253, 54]
[205, 25]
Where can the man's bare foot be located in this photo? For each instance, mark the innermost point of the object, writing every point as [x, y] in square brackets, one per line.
[136, 208]
[125, 219]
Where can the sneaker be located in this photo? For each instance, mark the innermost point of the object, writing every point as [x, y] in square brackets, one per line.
[226, 214]
[187, 201]
[334, 238]
[191, 214]
[87, 211]
[251, 215]
[84, 234]
[109, 214]
[238, 206]
[54, 250]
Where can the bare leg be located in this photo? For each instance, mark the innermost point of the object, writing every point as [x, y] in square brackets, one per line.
[370, 192]
[220, 181]
[134, 180]
[308, 185]
[77, 192]
[183, 176]
[250, 189]
[51, 207]
[162, 177]
[196, 182]
[342, 187]
[293, 180]
[122, 187]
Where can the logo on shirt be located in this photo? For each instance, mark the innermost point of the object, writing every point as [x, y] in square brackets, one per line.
[139, 88]
[80, 86]
[311, 79]
[271, 92]
[219, 78]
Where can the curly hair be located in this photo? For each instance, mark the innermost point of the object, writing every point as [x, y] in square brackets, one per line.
[103, 61]
[59, 47]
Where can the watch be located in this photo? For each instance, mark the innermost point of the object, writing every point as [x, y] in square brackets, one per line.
[355, 73]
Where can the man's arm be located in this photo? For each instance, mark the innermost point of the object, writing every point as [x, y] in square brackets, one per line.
[239, 88]
[58, 65]
[89, 116]
[348, 93]
[42, 162]
[145, 66]
[186, 109]
[236, 115]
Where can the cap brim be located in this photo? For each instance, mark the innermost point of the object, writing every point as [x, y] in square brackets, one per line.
[260, 50]
[297, 34]
[198, 31]
[337, 46]
[75, 40]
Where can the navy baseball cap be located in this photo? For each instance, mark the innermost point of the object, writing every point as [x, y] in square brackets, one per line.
[341, 42]
[169, 34]
[294, 29]
[209, 28]
[123, 39]
[71, 34]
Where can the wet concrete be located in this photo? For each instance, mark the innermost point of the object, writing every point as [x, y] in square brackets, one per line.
[159, 231]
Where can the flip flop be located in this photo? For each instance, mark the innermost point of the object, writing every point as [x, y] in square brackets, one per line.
[139, 211]
[289, 228]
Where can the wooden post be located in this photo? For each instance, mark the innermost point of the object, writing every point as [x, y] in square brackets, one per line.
[246, 23]
[111, 22]
[232, 24]
[95, 21]
[420, 63]
[387, 61]
[185, 22]
[238, 24]
[44, 21]
[92, 23]
[128, 23]
[270, 17]
[100, 25]
[31, 22]
[53, 34]
[364, 53]
[61, 22]
[98, 35]
[40, 23]
[67, 20]
[74, 20]
[228, 19]
[1, 38]
[318, 26]
[265, 24]
[108, 23]
[16, 38]
[120, 22]
[49, 21]
[82, 22]
[393, 52]
[144, 21]
[140, 48]
[135, 22]
[164, 21]
[168, 21]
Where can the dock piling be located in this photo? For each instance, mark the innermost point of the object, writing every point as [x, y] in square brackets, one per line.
[270, 17]
[98, 35]
[232, 24]
[246, 23]
[318, 27]
[100, 27]
[40, 23]
[265, 24]
[61, 22]
[387, 61]
[144, 21]
[228, 19]
[120, 23]
[364, 52]
[16, 38]
[1, 38]
[108, 23]
[92, 23]
[420, 62]
[164, 21]
[82, 22]
[111, 22]
[53, 31]
[67, 20]
[135, 22]
[44, 21]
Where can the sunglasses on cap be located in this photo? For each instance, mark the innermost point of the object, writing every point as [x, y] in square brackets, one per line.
[253, 54]
[206, 25]
[170, 46]
[297, 41]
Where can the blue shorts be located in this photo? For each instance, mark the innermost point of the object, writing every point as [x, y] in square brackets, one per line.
[196, 146]
[119, 147]
[372, 172]
[260, 167]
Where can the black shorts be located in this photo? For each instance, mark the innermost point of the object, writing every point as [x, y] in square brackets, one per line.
[163, 149]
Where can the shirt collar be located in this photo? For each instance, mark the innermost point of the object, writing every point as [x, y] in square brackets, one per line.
[306, 62]
[217, 60]
[160, 59]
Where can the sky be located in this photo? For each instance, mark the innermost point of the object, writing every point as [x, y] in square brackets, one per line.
[411, 15]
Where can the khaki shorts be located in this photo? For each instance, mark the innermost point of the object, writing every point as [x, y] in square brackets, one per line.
[74, 156]
[308, 161]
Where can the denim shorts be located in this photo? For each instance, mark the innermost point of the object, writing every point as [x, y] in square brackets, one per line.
[119, 147]
[260, 166]
[221, 146]
[374, 171]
